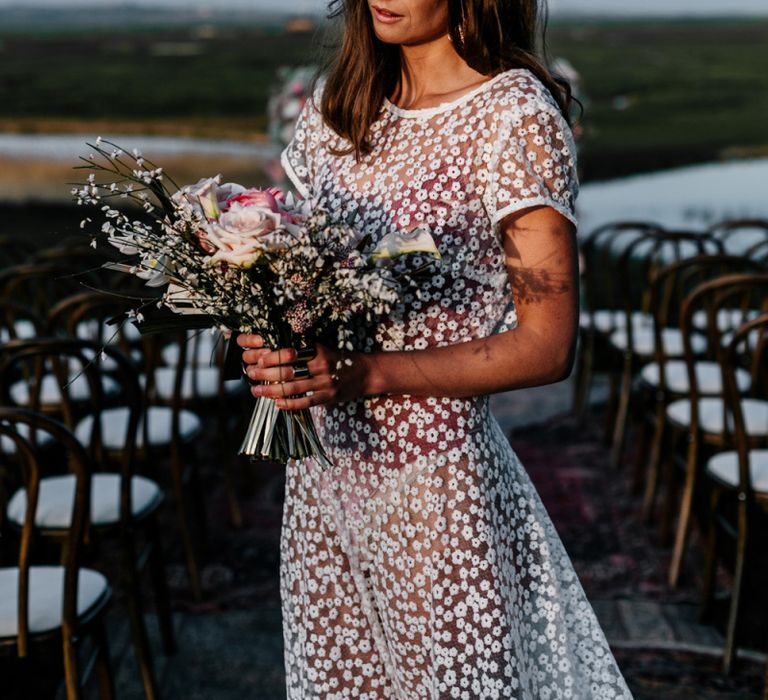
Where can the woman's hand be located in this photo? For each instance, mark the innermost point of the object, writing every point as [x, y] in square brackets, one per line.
[286, 381]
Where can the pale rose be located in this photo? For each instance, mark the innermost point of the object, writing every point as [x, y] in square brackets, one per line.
[243, 232]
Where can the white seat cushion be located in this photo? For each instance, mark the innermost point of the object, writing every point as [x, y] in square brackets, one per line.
[725, 468]
[644, 344]
[206, 380]
[727, 319]
[752, 339]
[50, 393]
[114, 427]
[8, 446]
[98, 332]
[57, 494]
[23, 329]
[711, 415]
[608, 320]
[202, 343]
[46, 597]
[709, 378]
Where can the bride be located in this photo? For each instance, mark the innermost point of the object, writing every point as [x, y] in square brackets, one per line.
[422, 564]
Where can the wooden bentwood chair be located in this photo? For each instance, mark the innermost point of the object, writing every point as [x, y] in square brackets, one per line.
[65, 377]
[44, 606]
[739, 477]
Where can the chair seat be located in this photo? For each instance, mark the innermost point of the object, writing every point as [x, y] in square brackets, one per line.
[608, 320]
[727, 319]
[199, 382]
[724, 467]
[711, 415]
[46, 597]
[57, 494]
[8, 446]
[709, 378]
[644, 343]
[23, 330]
[95, 330]
[50, 393]
[114, 427]
[202, 343]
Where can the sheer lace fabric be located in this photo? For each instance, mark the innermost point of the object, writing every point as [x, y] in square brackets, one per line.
[422, 564]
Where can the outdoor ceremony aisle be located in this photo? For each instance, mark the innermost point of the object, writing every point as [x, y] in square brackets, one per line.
[231, 644]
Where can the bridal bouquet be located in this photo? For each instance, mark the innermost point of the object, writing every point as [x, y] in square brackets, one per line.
[249, 260]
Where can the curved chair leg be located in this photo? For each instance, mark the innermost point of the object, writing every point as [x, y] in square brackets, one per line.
[183, 517]
[641, 449]
[738, 582]
[103, 667]
[235, 514]
[71, 667]
[765, 683]
[160, 589]
[611, 407]
[654, 463]
[684, 518]
[583, 375]
[141, 647]
[710, 565]
[622, 414]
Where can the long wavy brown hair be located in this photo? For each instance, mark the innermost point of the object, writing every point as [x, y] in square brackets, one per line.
[490, 35]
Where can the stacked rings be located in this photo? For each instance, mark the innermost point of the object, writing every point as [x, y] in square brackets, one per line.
[300, 371]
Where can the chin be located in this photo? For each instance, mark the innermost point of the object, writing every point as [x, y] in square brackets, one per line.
[388, 36]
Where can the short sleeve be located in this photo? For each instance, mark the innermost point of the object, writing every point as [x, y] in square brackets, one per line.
[531, 162]
[299, 157]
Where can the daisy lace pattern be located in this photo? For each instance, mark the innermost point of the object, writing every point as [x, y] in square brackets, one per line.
[422, 564]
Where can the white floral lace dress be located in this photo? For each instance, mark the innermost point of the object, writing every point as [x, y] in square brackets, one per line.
[422, 564]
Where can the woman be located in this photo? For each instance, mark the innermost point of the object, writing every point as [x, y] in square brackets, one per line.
[422, 563]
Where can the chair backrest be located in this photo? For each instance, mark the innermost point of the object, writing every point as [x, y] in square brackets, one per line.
[14, 250]
[18, 321]
[600, 251]
[40, 285]
[97, 317]
[644, 257]
[737, 297]
[750, 343]
[18, 426]
[740, 235]
[74, 371]
[166, 360]
[673, 283]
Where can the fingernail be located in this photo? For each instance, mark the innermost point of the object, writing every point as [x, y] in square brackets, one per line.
[280, 403]
[257, 390]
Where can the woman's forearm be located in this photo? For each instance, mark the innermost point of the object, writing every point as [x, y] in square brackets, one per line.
[511, 360]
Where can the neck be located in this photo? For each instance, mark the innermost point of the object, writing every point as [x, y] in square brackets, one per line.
[432, 68]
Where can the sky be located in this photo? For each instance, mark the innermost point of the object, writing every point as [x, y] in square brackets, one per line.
[688, 8]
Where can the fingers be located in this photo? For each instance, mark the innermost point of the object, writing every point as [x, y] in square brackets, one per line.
[281, 373]
[288, 389]
[250, 340]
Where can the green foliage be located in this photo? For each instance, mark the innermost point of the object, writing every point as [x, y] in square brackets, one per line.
[657, 94]
[690, 91]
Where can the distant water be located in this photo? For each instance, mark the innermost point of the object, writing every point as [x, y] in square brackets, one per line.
[68, 147]
[691, 197]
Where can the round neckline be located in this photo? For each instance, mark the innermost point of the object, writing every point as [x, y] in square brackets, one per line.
[445, 106]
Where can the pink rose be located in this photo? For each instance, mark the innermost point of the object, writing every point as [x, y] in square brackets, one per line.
[243, 232]
[268, 198]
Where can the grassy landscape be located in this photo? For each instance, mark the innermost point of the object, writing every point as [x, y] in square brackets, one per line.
[656, 94]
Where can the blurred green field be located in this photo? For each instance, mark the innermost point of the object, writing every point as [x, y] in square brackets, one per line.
[657, 94]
